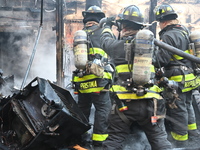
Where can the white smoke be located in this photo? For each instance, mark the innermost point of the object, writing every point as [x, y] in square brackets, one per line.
[44, 64]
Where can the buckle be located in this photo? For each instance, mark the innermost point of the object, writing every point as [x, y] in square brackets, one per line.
[184, 68]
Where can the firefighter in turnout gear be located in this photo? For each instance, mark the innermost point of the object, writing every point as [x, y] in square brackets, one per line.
[92, 82]
[137, 102]
[181, 117]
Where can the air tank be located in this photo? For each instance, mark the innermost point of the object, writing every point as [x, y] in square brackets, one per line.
[144, 44]
[195, 38]
[80, 49]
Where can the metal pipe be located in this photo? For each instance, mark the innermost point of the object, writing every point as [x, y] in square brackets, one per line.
[41, 13]
[177, 51]
[34, 48]
[59, 43]
[152, 28]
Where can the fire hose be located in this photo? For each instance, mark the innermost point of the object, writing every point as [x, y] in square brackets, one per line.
[177, 51]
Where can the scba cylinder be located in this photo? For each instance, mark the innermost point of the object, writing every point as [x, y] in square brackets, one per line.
[80, 49]
[142, 63]
[195, 38]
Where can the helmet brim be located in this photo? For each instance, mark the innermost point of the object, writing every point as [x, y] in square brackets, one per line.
[171, 16]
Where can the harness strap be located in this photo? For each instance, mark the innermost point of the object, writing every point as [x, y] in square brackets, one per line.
[155, 106]
[122, 116]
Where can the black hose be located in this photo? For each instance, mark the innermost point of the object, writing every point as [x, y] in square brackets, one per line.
[41, 14]
[177, 51]
[102, 21]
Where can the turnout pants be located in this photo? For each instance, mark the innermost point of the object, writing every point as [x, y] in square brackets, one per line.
[139, 111]
[102, 104]
[182, 118]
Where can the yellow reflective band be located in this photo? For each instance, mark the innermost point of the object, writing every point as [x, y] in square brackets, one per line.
[179, 137]
[155, 88]
[126, 12]
[192, 126]
[91, 90]
[119, 88]
[191, 82]
[125, 68]
[135, 14]
[179, 78]
[107, 30]
[179, 57]
[99, 137]
[123, 95]
[106, 75]
[84, 78]
[129, 96]
[122, 68]
[189, 89]
[96, 50]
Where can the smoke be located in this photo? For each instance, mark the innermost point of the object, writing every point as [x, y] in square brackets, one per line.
[13, 52]
[6, 89]
[44, 65]
[16, 50]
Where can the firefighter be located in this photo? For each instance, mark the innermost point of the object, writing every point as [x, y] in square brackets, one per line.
[134, 104]
[93, 87]
[181, 116]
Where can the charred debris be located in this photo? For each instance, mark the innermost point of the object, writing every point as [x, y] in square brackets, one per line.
[41, 116]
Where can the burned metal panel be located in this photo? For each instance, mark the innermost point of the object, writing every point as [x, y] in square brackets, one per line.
[42, 114]
[21, 124]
